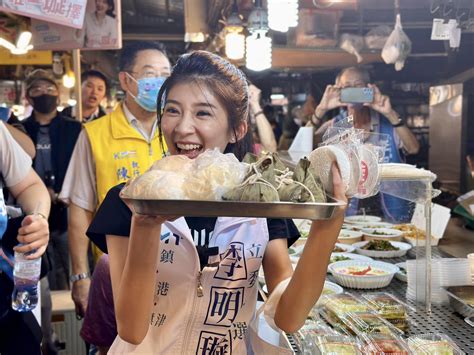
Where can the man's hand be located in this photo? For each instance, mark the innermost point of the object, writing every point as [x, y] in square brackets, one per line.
[34, 235]
[254, 98]
[382, 105]
[329, 101]
[80, 296]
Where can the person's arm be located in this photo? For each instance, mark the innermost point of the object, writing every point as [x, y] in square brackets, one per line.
[79, 220]
[33, 197]
[23, 140]
[79, 192]
[382, 105]
[329, 101]
[307, 281]
[264, 128]
[133, 267]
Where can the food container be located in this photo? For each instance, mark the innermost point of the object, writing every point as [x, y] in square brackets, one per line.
[389, 308]
[461, 299]
[402, 274]
[373, 225]
[382, 234]
[363, 274]
[335, 257]
[349, 236]
[358, 219]
[433, 343]
[410, 234]
[369, 323]
[402, 249]
[343, 248]
[335, 306]
[337, 344]
[382, 344]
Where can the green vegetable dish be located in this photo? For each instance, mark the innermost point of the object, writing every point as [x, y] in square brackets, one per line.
[380, 245]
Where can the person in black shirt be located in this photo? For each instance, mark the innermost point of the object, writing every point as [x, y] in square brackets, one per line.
[159, 286]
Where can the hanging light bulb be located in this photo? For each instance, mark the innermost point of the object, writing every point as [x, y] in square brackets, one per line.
[234, 39]
[69, 80]
[259, 46]
[259, 51]
[234, 45]
[282, 14]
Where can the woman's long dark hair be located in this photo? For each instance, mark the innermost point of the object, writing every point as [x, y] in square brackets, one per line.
[225, 81]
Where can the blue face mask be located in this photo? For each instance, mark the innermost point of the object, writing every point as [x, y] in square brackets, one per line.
[148, 89]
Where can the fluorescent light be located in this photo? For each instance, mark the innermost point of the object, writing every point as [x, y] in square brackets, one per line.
[72, 102]
[234, 45]
[69, 80]
[282, 14]
[259, 51]
[277, 97]
[24, 40]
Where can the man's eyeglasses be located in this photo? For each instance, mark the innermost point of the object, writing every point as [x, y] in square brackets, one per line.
[43, 89]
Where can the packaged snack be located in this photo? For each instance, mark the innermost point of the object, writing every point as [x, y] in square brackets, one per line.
[383, 344]
[369, 323]
[433, 344]
[338, 344]
[389, 308]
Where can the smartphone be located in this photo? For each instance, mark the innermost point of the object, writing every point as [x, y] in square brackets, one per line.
[357, 95]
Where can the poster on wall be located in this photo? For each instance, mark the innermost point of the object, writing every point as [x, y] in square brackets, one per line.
[102, 30]
[64, 12]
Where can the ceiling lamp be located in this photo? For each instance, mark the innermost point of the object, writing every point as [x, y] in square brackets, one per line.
[234, 38]
[22, 44]
[282, 14]
[259, 46]
[195, 24]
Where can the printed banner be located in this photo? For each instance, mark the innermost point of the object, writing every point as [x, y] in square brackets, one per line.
[102, 30]
[64, 12]
[30, 58]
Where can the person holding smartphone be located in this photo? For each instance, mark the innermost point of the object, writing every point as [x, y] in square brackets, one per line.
[353, 94]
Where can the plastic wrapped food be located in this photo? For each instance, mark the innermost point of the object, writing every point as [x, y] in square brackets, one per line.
[338, 344]
[369, 323]
[389, 308]
[303, 186]
[382, 344]
[335, 306]
[207, 177]
[433, 344]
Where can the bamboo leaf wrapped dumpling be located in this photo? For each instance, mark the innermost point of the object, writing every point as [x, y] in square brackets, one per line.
[259, 183]
[301, 185]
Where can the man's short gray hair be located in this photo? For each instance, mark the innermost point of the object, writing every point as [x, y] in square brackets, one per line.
[364, 74]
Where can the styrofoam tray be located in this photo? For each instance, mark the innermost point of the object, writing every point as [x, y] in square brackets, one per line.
[403, 249]
[363, 281]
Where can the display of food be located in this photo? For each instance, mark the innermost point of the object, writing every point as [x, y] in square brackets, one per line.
[338, 344]
[178, 177]
[349, 236]
[384, 344]
[389, 308]
[316, 328]
[382, 248]
[344, 303]
[372, 225]
[402, 274]
[437, 344]
[395, 171]
[369, 323]
[335, 257]
[382, 234]
[363, 274]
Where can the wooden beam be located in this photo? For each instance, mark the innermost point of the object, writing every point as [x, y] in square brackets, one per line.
[302, 58]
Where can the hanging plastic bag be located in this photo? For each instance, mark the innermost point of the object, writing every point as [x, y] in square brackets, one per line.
[377, 37]
[397, 47]
[352, 44]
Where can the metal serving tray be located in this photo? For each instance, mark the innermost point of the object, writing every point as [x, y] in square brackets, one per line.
[192, 208]
[458, 296]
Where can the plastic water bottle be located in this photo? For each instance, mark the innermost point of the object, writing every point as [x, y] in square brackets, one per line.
[26, 275]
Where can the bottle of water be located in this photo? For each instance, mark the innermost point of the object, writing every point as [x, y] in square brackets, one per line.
[26, 275]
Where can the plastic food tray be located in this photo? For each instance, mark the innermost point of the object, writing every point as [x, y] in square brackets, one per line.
[191, 208]
[458, 299]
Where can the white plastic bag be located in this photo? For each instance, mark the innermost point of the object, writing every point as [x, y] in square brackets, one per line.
[398, 46]
[377, 37]
[352, 44]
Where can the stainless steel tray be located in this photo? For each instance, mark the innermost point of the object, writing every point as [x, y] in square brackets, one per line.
[457, 299]
[192, 208]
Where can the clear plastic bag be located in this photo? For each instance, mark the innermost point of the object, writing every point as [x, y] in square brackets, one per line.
[398, 46]
[352, 44]
[377, 37]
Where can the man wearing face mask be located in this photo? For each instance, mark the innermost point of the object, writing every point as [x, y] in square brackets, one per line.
[54, 136]
[109, 151]
[377, 116]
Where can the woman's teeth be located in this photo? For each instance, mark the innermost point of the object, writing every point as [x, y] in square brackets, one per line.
[188, 146]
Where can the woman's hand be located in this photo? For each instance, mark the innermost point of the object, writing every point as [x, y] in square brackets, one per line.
[338, 185]
[34, 235]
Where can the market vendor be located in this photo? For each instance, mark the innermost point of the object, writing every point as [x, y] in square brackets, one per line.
[377, 116]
